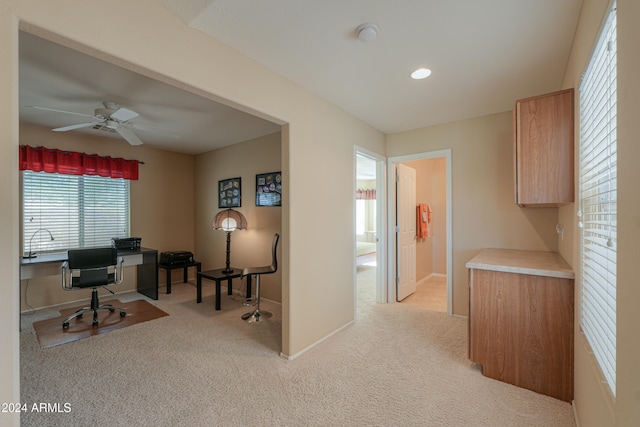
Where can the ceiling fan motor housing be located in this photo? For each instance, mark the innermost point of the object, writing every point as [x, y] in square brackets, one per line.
[103, 113]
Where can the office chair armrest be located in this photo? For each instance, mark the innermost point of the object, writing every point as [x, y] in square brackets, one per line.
[119, 273]
[66, 273]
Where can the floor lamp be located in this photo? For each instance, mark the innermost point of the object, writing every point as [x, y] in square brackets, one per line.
[228, 221]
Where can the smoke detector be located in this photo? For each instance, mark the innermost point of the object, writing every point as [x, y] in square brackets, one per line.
[367, 32]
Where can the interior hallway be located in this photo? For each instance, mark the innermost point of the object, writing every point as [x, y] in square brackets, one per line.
[430, 294]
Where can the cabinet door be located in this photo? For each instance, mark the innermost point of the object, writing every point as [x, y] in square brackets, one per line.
[521, 330]
[543, 150]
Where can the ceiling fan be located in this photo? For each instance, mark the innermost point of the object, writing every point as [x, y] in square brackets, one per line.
[111, 118]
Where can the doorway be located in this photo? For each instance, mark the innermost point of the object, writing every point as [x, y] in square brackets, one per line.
[433, 248]
[369, 226]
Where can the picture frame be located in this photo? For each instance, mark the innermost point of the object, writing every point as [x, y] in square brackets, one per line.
[269, 189]
[230, 193]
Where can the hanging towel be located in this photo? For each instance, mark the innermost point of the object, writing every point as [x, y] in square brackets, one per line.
[421, 221]
[423, 218]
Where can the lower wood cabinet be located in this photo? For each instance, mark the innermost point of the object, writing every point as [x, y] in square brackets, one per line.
[521, 329]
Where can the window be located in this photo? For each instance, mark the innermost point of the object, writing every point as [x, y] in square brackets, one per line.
[598, 201]
[68, 211]
[365, 210]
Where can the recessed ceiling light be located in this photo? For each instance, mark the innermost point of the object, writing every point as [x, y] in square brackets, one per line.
[421, 73]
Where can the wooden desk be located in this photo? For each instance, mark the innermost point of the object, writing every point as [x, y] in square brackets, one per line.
[145, 260]
[185, 267]
[218, 276]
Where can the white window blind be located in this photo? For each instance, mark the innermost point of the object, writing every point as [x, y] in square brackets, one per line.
[598, 200]
[76, 211]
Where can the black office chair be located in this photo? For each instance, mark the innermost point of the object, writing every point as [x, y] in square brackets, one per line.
[257, 314]
[92, 268]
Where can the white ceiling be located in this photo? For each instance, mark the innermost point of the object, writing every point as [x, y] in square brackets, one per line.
[484, 55]
[53, 76]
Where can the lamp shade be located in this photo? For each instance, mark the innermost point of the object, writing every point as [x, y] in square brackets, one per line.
[229, 220]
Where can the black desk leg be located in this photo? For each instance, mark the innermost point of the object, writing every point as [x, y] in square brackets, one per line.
[218, 294]
[147, 274]
[168, 280]
[199, 289]
[186, 275]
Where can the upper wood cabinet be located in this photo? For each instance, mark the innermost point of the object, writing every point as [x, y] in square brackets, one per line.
[543, 150]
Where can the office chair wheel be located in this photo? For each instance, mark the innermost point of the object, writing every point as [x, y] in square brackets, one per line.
[112, 310]
[65, 325]
[123, 313]
[95, 323]
[79, 316]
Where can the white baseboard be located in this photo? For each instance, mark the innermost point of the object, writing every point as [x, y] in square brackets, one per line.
[294, 356]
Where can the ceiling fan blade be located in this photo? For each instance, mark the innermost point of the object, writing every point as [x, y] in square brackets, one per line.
[128, 134]
[72, 127]
[123, 114]
[60, 111]
[153, 129]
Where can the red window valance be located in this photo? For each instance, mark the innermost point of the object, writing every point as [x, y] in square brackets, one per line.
[365, 194]
[41, 159]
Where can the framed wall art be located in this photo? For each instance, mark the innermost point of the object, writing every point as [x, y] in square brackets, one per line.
[229, 193]
[269, 189]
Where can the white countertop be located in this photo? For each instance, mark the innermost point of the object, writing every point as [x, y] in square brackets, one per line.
[535, 263]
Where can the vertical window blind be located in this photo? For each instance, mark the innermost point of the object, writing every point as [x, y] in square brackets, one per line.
[598, 201]
[68, 211]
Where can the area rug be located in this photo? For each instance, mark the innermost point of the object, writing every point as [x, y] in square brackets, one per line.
[50, 332]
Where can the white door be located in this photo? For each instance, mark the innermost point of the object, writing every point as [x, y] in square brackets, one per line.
[405, 231]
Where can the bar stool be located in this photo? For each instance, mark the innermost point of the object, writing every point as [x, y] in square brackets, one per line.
[257, 314]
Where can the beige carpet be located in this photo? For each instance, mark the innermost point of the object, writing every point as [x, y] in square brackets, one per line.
[396, 365]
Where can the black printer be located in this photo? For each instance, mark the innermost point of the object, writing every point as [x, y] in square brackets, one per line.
[176, 258]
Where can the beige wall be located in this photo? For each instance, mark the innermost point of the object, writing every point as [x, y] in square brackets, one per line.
[431, 253]
[9, 250]
[593, 403]
[250, 247]
[162, 206]
[628, 344]
[484, 214]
